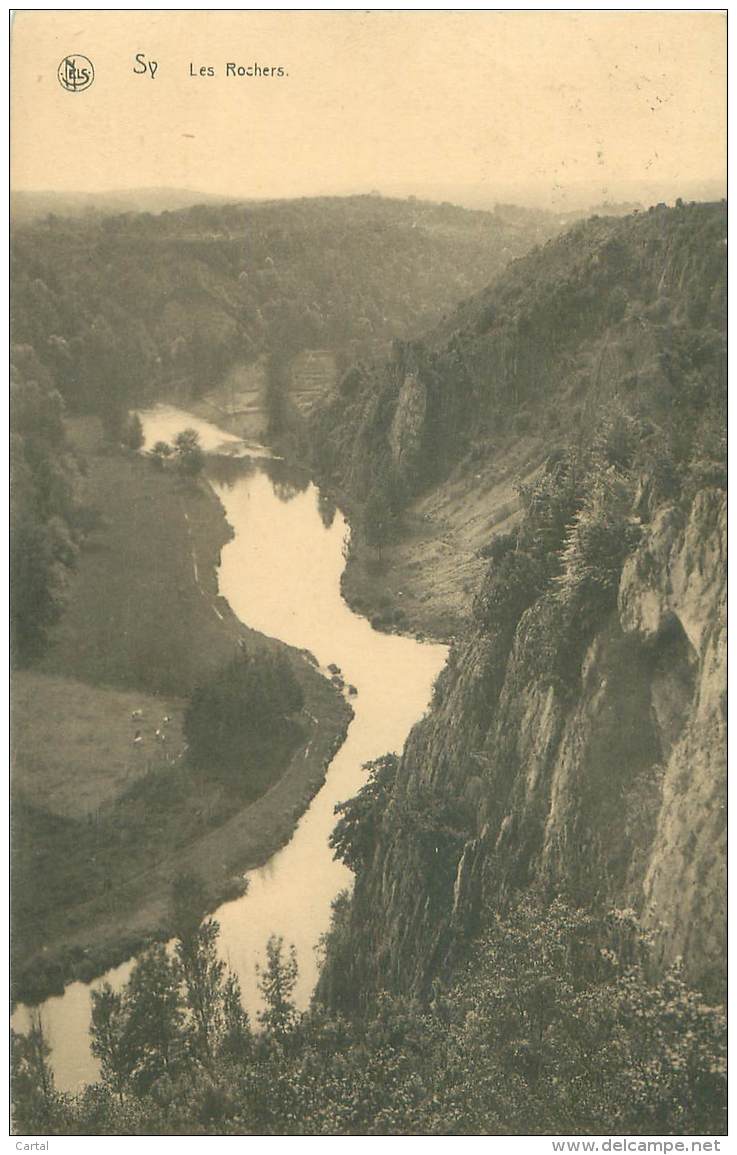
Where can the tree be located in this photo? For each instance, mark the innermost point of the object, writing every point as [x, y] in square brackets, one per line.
[203, 975]
[603, 532]
[33, 1080]
[354, 838]
[134, 437]
[189, 453]
[45, 505]
[38, 582]
[110, 1036]
[509, 588]
[160, 452]
[186, 439]
[236, 1033]
[554, 1023]
[377, 519]
[550, 1025]
[277, 981]
[156, 1015]
[215, 1017]
[276, 391]
[241, 720]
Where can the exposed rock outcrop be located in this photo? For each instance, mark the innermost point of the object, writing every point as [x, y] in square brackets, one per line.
[407, 427]
[610, 789]
[673, 596]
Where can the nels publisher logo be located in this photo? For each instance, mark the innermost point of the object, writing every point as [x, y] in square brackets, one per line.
[75, 73]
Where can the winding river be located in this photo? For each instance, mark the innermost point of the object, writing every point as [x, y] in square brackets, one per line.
[281, 575]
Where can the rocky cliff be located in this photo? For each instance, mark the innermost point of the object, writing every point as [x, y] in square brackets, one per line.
[608, 787]
[576, 741]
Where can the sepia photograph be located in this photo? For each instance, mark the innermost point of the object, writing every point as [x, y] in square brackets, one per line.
[367, 561]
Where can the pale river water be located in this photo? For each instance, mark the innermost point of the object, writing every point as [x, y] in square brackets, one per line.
[281, 575]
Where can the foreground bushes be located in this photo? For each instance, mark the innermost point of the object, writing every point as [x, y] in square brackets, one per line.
[553, 1027]
[241, 721]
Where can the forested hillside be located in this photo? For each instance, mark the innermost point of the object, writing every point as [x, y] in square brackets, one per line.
[46, 517]
[119, 308]
[616, 307]
[576, 743]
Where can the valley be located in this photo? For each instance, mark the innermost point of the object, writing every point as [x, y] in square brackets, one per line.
[536, 479]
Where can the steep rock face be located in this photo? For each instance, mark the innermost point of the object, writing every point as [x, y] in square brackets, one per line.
[675, 586]
[607, 786]
[407, 427]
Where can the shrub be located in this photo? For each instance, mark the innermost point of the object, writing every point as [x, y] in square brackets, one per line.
[513, 585]
[160, 452]
[566, 1033]
[354, 838]
[241, 721]
[189, 455]
[551, 1027]
[501, 544]
[603, 533]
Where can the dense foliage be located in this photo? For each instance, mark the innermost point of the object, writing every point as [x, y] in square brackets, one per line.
[46, 520]
[186, 453]
[579, 524]
[355, 833]
[122, 307]
[241, 721]
[552, 1027]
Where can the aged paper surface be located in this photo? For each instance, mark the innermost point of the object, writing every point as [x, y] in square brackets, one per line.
[368, 461]
[397, 100]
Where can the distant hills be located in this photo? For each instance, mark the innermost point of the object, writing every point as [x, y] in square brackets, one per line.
[570, 201]
[28, 205]
[129, 305]
[573, 197]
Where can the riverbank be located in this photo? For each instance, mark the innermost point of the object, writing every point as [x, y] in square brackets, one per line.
[436, 555]
[424, 578]
[87, 939]
[423, 581]
[421, 584]
[103, 824]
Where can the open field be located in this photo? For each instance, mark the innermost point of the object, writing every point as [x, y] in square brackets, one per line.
[101, 827]
[73, 743]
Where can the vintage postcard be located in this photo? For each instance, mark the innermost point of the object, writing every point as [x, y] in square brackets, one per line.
[368, 574]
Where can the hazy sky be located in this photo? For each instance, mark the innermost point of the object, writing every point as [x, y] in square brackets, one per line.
[390, 101]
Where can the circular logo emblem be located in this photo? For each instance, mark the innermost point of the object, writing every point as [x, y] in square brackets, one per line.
[75, 73]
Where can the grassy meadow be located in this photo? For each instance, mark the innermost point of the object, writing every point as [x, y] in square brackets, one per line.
[103, 824]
